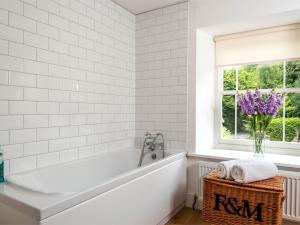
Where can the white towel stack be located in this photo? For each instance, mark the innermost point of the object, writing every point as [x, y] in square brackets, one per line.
[246, 171]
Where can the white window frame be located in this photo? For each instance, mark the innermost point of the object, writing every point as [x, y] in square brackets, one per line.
[280, 147]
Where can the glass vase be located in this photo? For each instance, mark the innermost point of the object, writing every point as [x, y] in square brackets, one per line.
[258, 144]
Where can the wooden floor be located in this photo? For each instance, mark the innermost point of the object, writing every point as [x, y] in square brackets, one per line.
[188, 217]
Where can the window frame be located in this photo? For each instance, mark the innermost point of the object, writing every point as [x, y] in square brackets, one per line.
[280, 147]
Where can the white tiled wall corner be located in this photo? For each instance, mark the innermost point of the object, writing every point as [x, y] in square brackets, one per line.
[67, 80]
[161, 74]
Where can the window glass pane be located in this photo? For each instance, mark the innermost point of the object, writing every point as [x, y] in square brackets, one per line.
[228, 103]
[229, 78]
[293, 74]
[262, 76]
[292, 120]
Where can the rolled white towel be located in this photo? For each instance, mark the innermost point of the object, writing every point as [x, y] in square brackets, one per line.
[252, 170]
[224, 168]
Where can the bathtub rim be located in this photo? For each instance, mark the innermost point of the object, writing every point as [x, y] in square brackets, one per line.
[43, 211]
[63, 164]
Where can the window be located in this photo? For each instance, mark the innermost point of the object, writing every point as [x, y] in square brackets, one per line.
[284, 77]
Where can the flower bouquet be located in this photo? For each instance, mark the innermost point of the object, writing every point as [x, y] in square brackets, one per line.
[260, 111]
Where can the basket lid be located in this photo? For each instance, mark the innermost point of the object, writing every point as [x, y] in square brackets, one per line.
[273, 184]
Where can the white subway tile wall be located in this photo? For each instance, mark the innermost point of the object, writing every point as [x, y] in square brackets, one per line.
[161, 74]
[67, 80]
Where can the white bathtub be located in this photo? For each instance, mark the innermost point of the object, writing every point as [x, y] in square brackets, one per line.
[105, 189]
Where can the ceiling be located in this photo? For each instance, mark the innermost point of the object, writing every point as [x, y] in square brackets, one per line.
[140, 6]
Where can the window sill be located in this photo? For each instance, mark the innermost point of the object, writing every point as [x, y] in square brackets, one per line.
[222, 154]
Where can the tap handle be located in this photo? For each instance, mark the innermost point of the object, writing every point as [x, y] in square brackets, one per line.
[147, 134]
[160, 134]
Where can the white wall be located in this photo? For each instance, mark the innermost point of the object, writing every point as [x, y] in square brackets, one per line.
[161, 74]
[206, 90]
[67, 80]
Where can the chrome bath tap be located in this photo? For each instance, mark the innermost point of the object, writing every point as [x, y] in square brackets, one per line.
[152, 142]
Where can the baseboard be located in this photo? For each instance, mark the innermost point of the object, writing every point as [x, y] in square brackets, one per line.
[173, 213]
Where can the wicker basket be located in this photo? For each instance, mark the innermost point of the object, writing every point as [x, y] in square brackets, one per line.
[230, 203]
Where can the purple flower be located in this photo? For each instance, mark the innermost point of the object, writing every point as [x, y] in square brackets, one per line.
[273, 103]
[247, 103]
[259, 102]
[253, 103]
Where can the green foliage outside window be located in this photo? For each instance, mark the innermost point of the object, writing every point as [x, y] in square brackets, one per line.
[292, 126]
